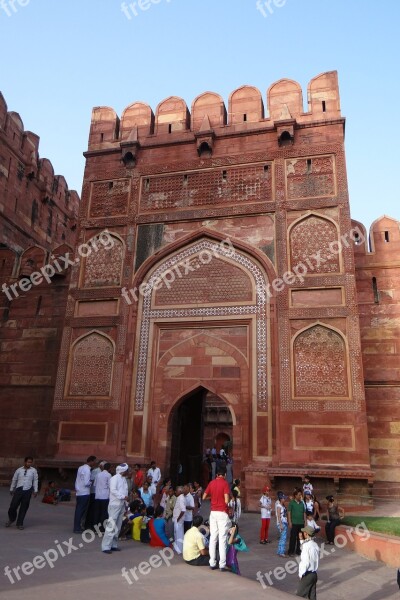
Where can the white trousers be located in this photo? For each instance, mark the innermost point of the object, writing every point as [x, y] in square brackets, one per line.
[115, 516]
[219, 525]
[178, 536]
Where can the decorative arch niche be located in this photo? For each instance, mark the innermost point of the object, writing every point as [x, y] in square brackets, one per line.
[91, 366]
[103, 266]
[320, 363]
[313, 242]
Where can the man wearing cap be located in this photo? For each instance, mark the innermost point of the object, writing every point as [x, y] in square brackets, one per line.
[116, 508]
[308, 565]
[265, 504]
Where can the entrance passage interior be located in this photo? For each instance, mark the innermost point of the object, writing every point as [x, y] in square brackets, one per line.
[202, 420]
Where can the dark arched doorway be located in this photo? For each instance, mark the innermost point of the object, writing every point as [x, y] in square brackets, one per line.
[187, 438]
[201, 420]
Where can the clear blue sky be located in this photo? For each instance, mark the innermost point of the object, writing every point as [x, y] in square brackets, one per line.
[60, 58]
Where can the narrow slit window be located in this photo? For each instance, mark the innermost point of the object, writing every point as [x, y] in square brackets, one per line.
[386, 236]
[185, 179]
[375, 290]
[110, 185]
[147, 185]
[245, 117]
[323, 106]
[39, 304]
[102, 137]
[170, 128]
[309, 165]
[224, 175]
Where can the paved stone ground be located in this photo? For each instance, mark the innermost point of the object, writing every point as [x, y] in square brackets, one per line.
[85, 573]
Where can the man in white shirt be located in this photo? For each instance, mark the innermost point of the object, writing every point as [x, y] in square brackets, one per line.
[189, 502]
[102, 495]
[23, 483]
[116, 508]
[155, 473]
[308, 565]
[82, 489]
[177, 518]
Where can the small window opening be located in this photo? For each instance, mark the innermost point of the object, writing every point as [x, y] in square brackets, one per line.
[204, 150]
[309, 165]
[244, 117]
[170, 128]
[285, 139]
[224, 175]
[323, 106]
[102, 137]
[146, 185]
[185, 179]
[128, 159]
[386, 236]
[375, 290]
[38, 305]
[357, 238]
[110, 185]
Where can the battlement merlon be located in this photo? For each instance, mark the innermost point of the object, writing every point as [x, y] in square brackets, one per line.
[208, 114]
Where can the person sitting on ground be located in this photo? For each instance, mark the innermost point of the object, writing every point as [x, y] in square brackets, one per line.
[137, 522]
[235, 544]
[194, 551]
[145, 531]
[51, 493]
[127, 523]
[158, 536]
[334, 514]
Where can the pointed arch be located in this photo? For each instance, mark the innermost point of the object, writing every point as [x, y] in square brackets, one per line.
[181, 397]
[31, 260]
[90, 366]
[313, 240]
[103, 265]
[320, 363]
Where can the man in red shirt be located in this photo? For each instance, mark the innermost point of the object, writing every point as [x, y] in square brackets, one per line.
[218, 491]
[138, 477]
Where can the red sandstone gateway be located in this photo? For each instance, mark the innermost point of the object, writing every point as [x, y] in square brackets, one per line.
[173, 343]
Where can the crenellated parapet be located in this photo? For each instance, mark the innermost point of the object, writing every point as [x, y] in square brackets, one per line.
[34, 201]
[172, 120]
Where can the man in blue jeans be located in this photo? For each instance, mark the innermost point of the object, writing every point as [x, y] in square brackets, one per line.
[82, 488]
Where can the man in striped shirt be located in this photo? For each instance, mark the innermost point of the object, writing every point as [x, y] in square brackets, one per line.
[24, 482]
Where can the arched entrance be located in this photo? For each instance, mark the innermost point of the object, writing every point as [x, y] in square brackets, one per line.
[200, 420]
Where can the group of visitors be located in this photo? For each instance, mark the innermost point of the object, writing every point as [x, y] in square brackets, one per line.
[140, 506]
[213, 460]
